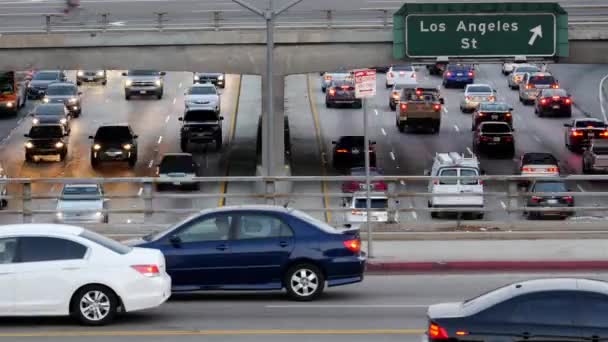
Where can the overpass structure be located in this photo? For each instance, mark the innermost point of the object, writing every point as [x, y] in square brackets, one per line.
[300, 47]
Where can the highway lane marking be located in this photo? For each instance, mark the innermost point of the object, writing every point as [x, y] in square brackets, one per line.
[174, 100]
[231, 134]
[536, 138]
[383, 131]
[376, 111]
[151, 163]
[445, 110]
[415, 216]
[141, 191]
[346, 306]
[392, 155]
[580, 187]
[160, 139]
[180, 85]
[469, 150]
[244, 332]
[456, 128]
[319, 138]
[168, 118]
[602, 98]
[504, 206]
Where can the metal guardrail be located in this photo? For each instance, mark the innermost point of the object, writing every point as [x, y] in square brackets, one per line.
[380, 18]
[21, 196]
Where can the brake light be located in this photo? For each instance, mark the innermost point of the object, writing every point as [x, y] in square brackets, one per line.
[555, 86]
[147, 270]
[535, 199]
[567, 101]
[555, 98]
[568, 199]
[481, 114]
[353, 245]
[341, 150]
[437, 107]
[576, 134]
[491, 98]
[529, 86]
[508, 138]
[328, 78]
[404, 106]
[553, 169]
[418, 92]
[528, 169]
[332, 92]
[437, 332]
[508, 115]
[380, 186]
[484, 138]
[543, 101]
[604, 134]
[448, 74]
[470, 74]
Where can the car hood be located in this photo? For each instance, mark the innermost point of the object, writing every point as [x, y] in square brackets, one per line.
[215, 74]
[48, 118]
[203, 99]
[60, 98]
[445, 310]
[42, 84]
[63, 204]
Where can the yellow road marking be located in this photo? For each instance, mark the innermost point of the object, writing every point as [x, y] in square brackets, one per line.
[315, 118]
[124, 333]
[231, 133]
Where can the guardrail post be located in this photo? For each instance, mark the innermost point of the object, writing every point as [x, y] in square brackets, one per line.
[27, 202]
[392, 203]
[216, 20]
[104, 21]
[385, 18]
[329, 18]
[270, 192]
[48, 23]
[160, 20]
[147, 196]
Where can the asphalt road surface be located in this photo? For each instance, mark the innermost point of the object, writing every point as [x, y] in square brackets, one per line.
[382, 308]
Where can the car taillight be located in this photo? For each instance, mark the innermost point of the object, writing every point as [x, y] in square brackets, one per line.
[553, 169]
[568, 199]
[470, 74]
[437, 107]
[508, 115]
[508, 138]
[481, 114]
[437, 332]
[328, 78]
[404, 106]
[147, 270]
[448, 74]
[528, 169]
[543, 101]
[380, 186]
[535, 199]
[332, 92]
[491, 98]
[604, 134]
[350, 187]
[576, 133]
[353, 245]
[529, 86]
[342, 150]
[357, 212]
[485, 138]
[567, 101]
[555, 86]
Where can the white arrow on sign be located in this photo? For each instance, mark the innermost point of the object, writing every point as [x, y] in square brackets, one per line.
[536, 32]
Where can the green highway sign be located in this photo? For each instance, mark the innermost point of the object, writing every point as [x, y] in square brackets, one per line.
[480, 34]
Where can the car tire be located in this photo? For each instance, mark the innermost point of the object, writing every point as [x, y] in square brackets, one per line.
[102, 296]
[393, 107]
[127, 96]
[184, 145]
[327, 104]
[159, 96]
[218, 144]
[3, 203]
[78, 83]
[195, 187]
[304, 282]
[62, 156]
[585, 169]
[29, 158]
[323, 89]
[401, 127]
[132, 162]
[104, 82]
[479, 216]
[436, 128]
[106, 219]
[434, 214]
[462, 110]
[387, 85]
[94, 162]
[358, 104]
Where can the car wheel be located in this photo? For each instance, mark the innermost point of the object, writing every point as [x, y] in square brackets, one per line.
[29, 158]
[132, 162]
[127, 96]
[195, 187]
[218, 144]
[393, 107]
[462, 110]
[184, 145]
[159, 96]
[401, 127]
[94, 162]
[104, 82]
[106, 219]
[78, 83]
[387, 85]
[3, 203]
[323, 89]
[327, 104]
[94, 305]
[359, 104]
[62, 156]
[479, 216]
[436, 128]
[304, 282]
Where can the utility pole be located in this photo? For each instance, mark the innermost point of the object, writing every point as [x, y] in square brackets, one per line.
[268, 138]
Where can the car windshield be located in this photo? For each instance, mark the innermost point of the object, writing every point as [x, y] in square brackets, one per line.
[543, 80]
[111, 133]
[201, 115]
[496, 128]
[550, 187]
[479, 89]
[46, 76]
[405, 67]
[494, 107]
[46, 132]
[539, 159]
[61, 90]
[81, 192]
[554, 92]
[108, 243]
[50, 109]
[463, 68]
[143, 73]
[589, 123]
[202, 91]
[176, 164]
[376, 203]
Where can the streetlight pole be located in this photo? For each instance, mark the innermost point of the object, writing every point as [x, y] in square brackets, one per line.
[269, 16]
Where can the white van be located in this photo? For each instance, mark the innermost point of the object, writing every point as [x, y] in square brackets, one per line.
[457, 165]
[378, 209]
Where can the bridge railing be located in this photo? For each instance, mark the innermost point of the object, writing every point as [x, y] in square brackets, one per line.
[137, 200]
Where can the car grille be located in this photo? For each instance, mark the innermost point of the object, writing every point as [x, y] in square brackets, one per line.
[207, 78]
[44, 145]
[143, 84]
[90, 73]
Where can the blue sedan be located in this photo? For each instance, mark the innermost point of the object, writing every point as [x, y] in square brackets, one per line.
[458, 75]
[259, 248]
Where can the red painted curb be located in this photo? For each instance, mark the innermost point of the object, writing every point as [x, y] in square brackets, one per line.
[433, 266]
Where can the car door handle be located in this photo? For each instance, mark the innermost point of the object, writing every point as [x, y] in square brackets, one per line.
[283, 243]
[222, 247]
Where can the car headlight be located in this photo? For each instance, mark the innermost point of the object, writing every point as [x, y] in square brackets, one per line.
[100, 73]
[128, 83]
[80, 73]
[46, 100]
[220, 77]
[73, 100]
[98, 214]
[59, 215]
[127, 146]
[29, 144]
[96, 147]
[10, 104]
[196, 77]
[63, 120]
[59, 144]
[158, 83]
[35, 121]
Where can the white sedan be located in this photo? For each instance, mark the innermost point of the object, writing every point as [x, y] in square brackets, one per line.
[61, 270]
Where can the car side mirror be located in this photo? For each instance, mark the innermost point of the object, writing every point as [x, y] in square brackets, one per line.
[511, 109]
[482, 172]
[442, 100]
[221, 118]
[26, 135]
[91, 137]
[162, 73]
[180, 119]
[135, 136]
[333, 142]
[124, 74]
[175, 240]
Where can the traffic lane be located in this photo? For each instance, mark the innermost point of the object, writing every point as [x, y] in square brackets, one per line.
[379, 303]
[212, 163]
[583, 82]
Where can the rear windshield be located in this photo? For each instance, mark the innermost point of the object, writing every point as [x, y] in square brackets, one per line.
[600, 149]
[479, 89]
[495, 128]
[494, 107]
[527, 69]
[202, 91]
[46, 132]
[448, 173]
[112, 132]
[351, 141]
[46, 76]
[91, 192]
[468, 173]
[376, 203]
[61, 90]
[554, 92]
[343, 83]
[176, 164]
[143, 73]
[540, 159]
[405, 67]
[108, 243]
[50, 109]
[542, 80]
[590, 123]
[460, 67]
[201, 115]
[550, 187]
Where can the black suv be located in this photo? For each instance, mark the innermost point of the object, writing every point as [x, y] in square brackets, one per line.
[348, 153]
[201, 127]
[46, 140]
[114, 143]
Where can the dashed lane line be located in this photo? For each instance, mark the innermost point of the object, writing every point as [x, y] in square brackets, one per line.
[456, 128]
[151, 163]
[383, 131]
[160, 139]
[168, 118]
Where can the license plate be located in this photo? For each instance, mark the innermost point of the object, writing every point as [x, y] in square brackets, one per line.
[114, 154]
[142, 91]
[552, 201]
[374, 218]
[494, 117]
[89, 78]
[555, 106]
[496, 139]
[177, 183]
[459, 74]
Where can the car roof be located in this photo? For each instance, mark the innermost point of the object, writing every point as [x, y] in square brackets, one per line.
[553, 284]
[249, 207]
[40, 228]
[62, 84]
